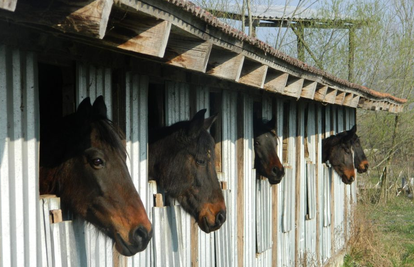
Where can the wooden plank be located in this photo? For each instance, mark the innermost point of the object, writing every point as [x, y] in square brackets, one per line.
[320, 93]
[240, 180]
[355, 101]
[294, 87]
[87, 18]
[186, 52]
[253, 74]
[340, 97]
[225, 64]
[275, 80]
[9, 5]
[308, 90]
[129, 31]
[55, 216]
[348, 99]
[330, 96]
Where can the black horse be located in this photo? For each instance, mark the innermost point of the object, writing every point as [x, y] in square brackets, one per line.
[266, 161]
[181, 161]
[82, 160]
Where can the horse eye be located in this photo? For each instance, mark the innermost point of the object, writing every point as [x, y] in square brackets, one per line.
[201, 162]
[97, 163]
[256, 143]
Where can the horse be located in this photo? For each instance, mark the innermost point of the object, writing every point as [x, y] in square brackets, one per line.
[360, 160]
[182, 162]
[344, 153]
[266, 161]
[83, 162]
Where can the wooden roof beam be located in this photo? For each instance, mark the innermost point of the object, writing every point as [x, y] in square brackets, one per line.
[225, 64]
[330, 96]
[187, 52]
[348, 99]
[320, 93]
[275, 80]
[9, 5]
[129, 31]
[294, 87]
[340, 98]
[82, 17]
[253, 73]
[309, 89]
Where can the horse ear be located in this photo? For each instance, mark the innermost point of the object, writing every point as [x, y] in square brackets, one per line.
[196, 123]
[84, 108]
[209, 121]
[99, 107]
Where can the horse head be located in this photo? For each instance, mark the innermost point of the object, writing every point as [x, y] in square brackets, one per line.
[182, 161]
[266, 161]
[360, 160]
[339, 150]
[83, 163]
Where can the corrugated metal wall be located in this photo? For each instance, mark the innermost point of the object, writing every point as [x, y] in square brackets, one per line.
[19, 136]
[300, 237]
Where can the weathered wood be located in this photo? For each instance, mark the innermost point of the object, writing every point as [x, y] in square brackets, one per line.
[275, 81]
[320, 93]
[158, 201]
[240, 179]
[223, 185]
[225, 64]
[340, 97]
[253, 74]
[355, 101]
[330, 96]
[348, 99]
[308, 90]
[129, 31]
[55, 216]
[9, 5]
[294, 87]
[187, 52]
[86, 17]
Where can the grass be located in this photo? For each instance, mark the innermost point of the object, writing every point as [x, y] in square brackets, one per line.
[383, 234]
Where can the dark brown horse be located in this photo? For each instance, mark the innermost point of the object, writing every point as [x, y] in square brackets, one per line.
[344, 153]
[360, 160]
[83, 162]
[181, 161]
[266, 161]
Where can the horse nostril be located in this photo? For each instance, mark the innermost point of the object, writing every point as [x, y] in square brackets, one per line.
[220, 217]
[140, 234]
[278, 172]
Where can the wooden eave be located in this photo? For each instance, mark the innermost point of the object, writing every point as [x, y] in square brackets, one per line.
[177, 33]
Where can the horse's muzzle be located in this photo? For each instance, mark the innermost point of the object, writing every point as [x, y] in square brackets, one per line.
[138, 241]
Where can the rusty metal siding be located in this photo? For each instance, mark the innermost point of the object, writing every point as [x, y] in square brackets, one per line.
[18, 158]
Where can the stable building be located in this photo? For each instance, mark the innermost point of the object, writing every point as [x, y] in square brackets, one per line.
[157, 62]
